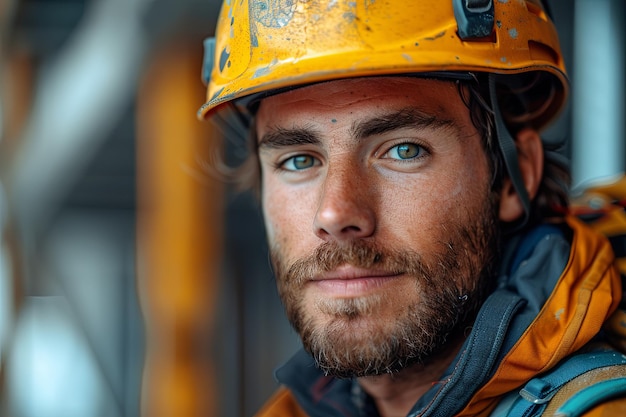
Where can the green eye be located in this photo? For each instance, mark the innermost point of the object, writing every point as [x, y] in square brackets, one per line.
[299, 162]
[405, 151]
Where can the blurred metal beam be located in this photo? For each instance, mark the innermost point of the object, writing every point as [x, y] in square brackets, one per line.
[80, 95]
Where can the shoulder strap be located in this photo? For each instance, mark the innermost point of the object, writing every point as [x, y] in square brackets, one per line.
[538, 393]
[581, 395]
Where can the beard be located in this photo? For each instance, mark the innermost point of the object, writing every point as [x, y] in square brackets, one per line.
[348, 338]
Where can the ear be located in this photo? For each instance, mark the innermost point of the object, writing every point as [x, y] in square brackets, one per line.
[530, 158]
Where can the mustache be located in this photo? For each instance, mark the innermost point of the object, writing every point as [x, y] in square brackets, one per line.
[360, 254]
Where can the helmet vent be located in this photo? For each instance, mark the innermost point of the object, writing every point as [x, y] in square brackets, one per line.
[542, 52]
[535, 7]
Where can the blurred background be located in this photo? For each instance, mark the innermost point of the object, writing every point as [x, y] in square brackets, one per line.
[131, 283]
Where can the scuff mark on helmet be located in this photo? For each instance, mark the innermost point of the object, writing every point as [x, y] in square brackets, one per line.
[513, 33]
[216, 94]
[263, 71]
[349, 16]
[437, 36]
[260, 72]
[254, 40]
[273, 13]
[224, 58]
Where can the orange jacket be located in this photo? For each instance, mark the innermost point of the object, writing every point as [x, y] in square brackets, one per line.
[582, 299]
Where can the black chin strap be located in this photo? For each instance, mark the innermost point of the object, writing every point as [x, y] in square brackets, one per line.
[509, 152]
[475, 19]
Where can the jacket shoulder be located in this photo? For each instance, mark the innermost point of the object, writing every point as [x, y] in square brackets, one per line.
[281, 404]
[599, 392]
[590, 384]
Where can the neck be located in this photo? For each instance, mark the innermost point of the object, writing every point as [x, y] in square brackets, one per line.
[395, 394]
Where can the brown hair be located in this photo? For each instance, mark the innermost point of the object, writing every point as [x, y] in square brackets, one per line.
[552, 197]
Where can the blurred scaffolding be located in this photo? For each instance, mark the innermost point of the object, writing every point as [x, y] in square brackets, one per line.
[120, 292]
[132, 283]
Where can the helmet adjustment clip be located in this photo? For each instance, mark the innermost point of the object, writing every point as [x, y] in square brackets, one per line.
[475, 18]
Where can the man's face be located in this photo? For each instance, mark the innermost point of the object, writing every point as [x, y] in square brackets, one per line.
[380, 218]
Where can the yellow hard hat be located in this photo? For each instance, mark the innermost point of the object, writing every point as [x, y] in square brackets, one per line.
[262, 46]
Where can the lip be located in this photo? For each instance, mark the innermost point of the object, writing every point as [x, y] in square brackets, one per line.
[349, 282]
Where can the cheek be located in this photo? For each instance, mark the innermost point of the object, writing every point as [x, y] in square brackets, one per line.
[419, 217]
[272, 214]
[288, 217]
[425, 210]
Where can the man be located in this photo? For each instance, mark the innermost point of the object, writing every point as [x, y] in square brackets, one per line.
[416, 219]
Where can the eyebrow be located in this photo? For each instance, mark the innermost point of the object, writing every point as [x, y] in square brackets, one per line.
[401, 119]
[389, 122]
[281, 137]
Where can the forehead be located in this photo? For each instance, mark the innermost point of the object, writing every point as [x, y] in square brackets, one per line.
[436, 97]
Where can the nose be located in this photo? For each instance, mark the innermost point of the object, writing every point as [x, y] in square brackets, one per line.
[346, 208]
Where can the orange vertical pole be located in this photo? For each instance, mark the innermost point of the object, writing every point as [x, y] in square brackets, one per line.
[179, 236]
[17, 90]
